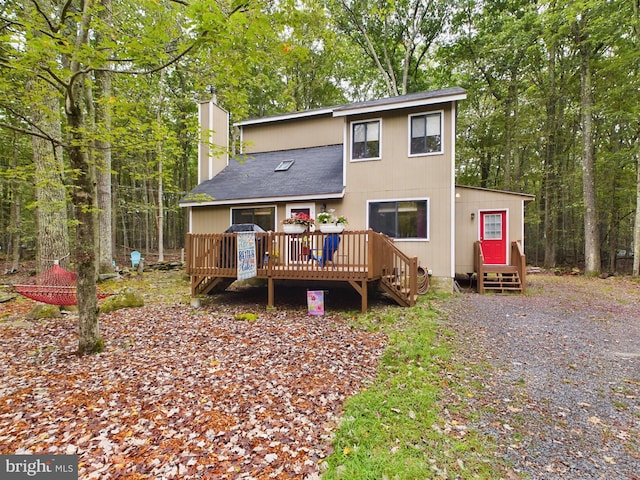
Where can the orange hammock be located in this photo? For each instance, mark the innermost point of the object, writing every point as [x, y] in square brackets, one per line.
[55, 286]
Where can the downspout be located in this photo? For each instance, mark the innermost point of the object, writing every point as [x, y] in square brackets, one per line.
[454, 118]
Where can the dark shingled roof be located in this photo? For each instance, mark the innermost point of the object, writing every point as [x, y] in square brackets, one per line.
[402, 99]
[317, 171]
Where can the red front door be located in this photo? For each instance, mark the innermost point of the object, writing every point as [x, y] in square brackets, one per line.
[493, 235]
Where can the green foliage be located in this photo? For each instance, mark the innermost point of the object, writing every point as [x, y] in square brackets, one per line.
[41, 310]
[518, 130]
[127, 298]
[98, 347]
[246, 317]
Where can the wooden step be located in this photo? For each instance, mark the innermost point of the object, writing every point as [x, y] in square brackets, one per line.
[506, 279]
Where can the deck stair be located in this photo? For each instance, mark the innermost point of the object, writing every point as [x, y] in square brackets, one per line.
[396, 286]
[501, 278]
[206, 285]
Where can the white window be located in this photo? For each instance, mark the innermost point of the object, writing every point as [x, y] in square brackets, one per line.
[425, 133]
[365, 140]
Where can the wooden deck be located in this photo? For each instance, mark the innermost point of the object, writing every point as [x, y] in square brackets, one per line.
[501, 278]
[362, 257]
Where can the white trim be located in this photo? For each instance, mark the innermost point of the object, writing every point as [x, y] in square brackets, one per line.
[376, 107]
[286, 116]
[507, 241]
[354, 109]
[425, 154]
[452, 201]
[199, 143]
[250, 201]
[228, 137]
[522, 224]
[345, 150]
[411, 199]
[288, 206]
[190, 220]
[527, 197]
[211, 138]
[350, 143]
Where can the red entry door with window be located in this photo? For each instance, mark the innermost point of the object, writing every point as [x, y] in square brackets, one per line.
[493, 235]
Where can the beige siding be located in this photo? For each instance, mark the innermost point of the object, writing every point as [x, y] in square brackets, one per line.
[210, 219]
[214, 141]
[396, 176]
[290, 134]
[471, 201]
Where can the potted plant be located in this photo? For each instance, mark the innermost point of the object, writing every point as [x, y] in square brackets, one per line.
[297, 223]
[329, 222]
[325, 217]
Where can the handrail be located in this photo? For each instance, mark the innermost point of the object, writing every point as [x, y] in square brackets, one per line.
[478, 264]
[518, 259]
[398, 272]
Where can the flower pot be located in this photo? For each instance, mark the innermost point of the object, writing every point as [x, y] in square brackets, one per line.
[293, 228]
[331, 228]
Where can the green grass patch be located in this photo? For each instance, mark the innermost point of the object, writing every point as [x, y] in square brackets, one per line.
[404, 426]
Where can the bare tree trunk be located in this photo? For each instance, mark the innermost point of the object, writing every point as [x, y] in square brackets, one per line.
[52, 239]
[160, 180]
[636, 226]
[83, 196]
[103, 158]
[13, 248]
[83, 201]
[591, 231]
[550, 167]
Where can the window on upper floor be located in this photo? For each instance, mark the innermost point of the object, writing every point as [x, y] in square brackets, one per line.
[262, 216]
[365, 140]
[400, 219]
[425, 133]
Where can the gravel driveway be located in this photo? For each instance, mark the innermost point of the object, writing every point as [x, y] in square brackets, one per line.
[557, 373]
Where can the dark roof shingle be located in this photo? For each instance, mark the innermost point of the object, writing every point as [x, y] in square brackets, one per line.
[316, 171]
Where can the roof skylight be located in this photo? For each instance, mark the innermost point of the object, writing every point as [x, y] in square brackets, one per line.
[284, 165]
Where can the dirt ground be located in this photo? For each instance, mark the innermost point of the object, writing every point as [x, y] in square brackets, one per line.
[556, 374]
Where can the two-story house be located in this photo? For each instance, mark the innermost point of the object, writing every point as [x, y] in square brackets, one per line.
[388, 165]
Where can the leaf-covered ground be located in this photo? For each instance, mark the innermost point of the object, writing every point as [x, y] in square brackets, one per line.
[182, 392]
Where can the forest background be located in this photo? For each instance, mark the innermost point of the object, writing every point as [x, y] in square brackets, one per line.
[98, 111]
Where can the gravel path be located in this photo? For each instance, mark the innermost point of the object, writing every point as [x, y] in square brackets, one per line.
[559, 374]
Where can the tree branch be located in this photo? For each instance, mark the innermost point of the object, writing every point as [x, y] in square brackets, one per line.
[33, 134]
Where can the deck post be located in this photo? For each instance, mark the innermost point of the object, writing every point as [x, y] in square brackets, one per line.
[270, 294]
[362, 290]
[364, 296]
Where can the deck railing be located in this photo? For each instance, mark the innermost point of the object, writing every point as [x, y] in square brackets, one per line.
[280, 255]
[362, 256]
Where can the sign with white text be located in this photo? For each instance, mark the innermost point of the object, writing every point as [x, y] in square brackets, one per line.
[247, 267]
[39, 467]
